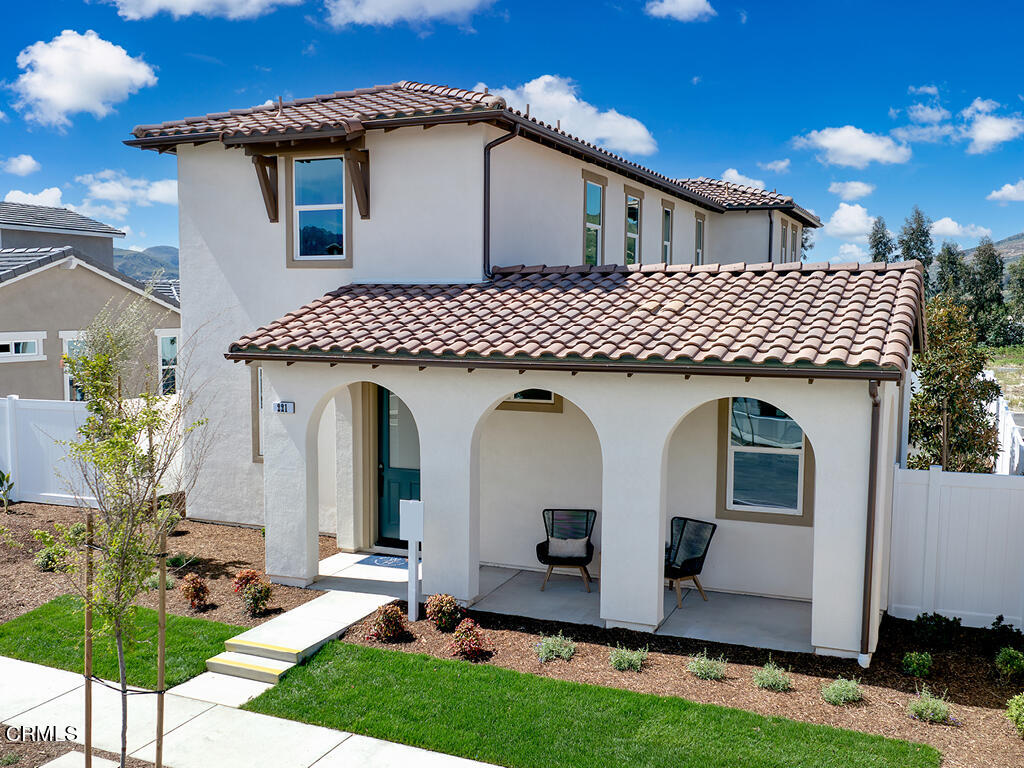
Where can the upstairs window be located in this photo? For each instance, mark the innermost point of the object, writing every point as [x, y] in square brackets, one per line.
[794, 239]
[666, 233]
[319, 209]
[698, 248]
[632, 254]
[593, 219]
[23, 347]
[783, 251]
[168, 363]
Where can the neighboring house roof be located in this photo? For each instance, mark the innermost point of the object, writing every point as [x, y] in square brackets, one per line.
[351, 113]
[812, 318]
[22, 216]
[18, 262]
[170, 289]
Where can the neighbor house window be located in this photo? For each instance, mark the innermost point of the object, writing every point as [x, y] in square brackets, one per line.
[794, 238]
[318, 213]
[541, 400]
[783, 251]
[766, 466]
[72, 345]
[593, 218]
[22, 347]
[167, 343]
[667, 209]
[634, 200]
[698, 248]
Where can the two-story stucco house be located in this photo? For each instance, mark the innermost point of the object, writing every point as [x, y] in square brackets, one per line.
[353, 264]
[56, 273]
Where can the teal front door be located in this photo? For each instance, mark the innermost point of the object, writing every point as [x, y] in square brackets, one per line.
[398, 464]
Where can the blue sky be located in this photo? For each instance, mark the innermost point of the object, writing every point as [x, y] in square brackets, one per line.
[884, 104]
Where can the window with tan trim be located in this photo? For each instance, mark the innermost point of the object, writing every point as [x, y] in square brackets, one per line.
[593, 218]
[794, 238]
[634, 202]
[784, 243]
[318, 213]
[667, 212]
[765, 465]
[698, 235]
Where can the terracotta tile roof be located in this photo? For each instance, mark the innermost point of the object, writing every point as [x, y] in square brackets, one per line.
[732, 195]
[845, 315]
[344, 109]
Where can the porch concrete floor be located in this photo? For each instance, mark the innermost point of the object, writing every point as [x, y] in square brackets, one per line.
[761, 622]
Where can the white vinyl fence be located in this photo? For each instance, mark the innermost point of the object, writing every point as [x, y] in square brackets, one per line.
[31, 432]
[957, 546]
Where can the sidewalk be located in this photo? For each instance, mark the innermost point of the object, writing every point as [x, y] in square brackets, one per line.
[198, 734]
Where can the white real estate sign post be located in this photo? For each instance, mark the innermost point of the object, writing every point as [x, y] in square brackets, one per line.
[410, 528]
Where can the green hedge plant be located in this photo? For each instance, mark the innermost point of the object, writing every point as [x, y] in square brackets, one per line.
[704, 667]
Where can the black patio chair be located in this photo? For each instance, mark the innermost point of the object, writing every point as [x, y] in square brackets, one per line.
[574, 527]
[684, 556]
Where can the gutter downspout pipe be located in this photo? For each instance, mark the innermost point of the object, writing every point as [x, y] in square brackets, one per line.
[864, 659]
[487, 196]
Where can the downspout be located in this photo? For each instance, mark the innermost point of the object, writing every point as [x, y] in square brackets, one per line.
[771, 234]
[869, 535]
[487, 196]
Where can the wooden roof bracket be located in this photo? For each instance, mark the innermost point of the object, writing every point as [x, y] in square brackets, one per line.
[358, 162]
[266, 174]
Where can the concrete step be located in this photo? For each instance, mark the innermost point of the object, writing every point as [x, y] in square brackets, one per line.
[241, 644]
[259, 668]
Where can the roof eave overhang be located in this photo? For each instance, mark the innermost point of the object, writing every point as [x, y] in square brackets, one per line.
[864, 373]
[794, 210]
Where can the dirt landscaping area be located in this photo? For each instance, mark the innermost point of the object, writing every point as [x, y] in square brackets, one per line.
[984, 737]
[216, 552]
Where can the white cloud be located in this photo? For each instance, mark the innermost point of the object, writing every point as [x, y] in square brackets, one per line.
[986, 132]
[3, 116]
[946, 227]
[776, 166]
[1008, 193]
[50, 196]
[930, 134]
[850, 222]
[743, 17]
[893, 113]
[113, 191]
[927, 113]
[385, 13]
[735, 177]
[851, 190]
[20, 165]
[76, 73]
[979, 106]
[683, 10]
[852, 252]
[552, 98]
[229, 9]
[924, 90]
[850, 146]
[695, 80]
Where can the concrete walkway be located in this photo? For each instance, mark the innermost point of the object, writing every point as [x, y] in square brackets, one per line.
[198, 734]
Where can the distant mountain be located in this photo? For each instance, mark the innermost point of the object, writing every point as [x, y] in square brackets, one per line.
[1010, 248]
[143, 264]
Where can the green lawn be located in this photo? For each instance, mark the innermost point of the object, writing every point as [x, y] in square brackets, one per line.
[526, 721]
[1008, 364]
[52, 635]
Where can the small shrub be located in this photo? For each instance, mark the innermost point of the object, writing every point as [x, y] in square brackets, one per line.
[929, 708]
[46, 560]
[625, 660]
[935, 631]
[1002, 635]
[1015, 712]
[388, 624]
[179, 560]
[6, 487]
[555, 647]
[772, 677]
[704, 667]
[153, 582]
[10, 759]
[842, 691]
[256, 596]
[58, 546]
[469, 642]
[917, 663]
[444, 612]
[1010, 662]
[193, 588]
[244, 578]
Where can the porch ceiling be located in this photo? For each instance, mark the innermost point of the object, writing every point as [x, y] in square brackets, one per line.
[808, 319]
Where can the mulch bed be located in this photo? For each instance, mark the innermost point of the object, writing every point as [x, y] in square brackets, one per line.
[219, 552]
[32, 754]
[985, 737]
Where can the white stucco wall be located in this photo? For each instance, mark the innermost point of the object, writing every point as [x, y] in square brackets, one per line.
[738, 236]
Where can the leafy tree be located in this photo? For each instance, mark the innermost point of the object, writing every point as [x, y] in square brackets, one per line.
[128, 453]
[880, 243]
[952, 279]
[988, 309]
[950, 424]
[806, 242]
[1015, 288]
[915, 241]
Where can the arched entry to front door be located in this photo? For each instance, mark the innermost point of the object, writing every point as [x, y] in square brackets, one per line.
[398, 464]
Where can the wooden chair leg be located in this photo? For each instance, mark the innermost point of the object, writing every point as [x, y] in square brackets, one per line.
[700, 588]
[679, 593]
[586, 577]
[546, 577]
